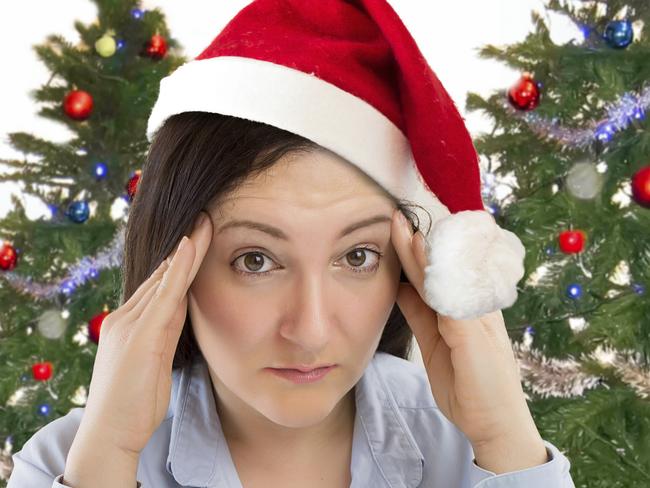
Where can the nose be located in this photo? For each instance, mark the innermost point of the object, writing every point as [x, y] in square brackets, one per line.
[307, 323]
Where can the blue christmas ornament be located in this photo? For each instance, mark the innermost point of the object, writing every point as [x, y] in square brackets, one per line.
[68, 287]
[100, 171]
[638, 288]
[44, 409]
[530, 330]
[493, 208]
[137, 13]
[549, 251]
[78, 211]
[53, 209]
[120, 44]
[619, 34]
[574, 291]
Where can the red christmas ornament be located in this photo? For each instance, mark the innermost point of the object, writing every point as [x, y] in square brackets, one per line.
[524, 95]
[78, 104]
[155, 48]
[641, 187]
[42, 371]
[132, 185]
[95, 325]
[8, 257]
[572, 241]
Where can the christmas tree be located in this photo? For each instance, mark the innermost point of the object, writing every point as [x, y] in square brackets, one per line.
[567, 168]
[60, 276]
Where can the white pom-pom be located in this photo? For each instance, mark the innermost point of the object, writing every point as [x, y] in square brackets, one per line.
[473, 265]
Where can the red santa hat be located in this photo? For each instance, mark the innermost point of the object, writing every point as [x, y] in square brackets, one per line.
[348, 75]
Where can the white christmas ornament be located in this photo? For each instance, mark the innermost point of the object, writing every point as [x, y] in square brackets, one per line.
[584, 181]
[51, 324]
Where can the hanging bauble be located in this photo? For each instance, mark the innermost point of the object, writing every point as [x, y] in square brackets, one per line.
[78, 104]
[51, 324]
[132, 184]
[524, 94]
[619, 34]
[8, 256]
[95, 325]
[641, 187]
[137, 13]
[100, 171]
[42, 371]
[572, 241]
[155, 48]
[584, 181]
[78, 211]
[44, 409]
[106, 45]
[574, 291]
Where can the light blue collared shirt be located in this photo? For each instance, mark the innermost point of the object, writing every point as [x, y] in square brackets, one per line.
[400, 440]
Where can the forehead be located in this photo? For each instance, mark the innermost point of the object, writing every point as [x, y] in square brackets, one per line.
[311, 181]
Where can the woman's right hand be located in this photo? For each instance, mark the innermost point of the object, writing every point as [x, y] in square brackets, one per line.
[130, 387]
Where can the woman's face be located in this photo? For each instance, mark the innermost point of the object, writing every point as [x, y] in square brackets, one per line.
[311, 297]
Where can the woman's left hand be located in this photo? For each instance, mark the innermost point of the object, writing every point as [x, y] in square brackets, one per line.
[471, 368]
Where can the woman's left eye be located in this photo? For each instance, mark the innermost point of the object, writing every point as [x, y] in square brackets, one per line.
[357, 258]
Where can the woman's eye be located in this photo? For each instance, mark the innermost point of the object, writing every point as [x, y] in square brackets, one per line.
[358, 257]
[252, 263]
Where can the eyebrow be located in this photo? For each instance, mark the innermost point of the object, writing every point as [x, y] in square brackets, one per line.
[279, 234]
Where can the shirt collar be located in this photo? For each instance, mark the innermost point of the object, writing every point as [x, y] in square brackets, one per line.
[383, 445]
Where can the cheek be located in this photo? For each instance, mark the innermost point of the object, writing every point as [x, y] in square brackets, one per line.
[227, 323]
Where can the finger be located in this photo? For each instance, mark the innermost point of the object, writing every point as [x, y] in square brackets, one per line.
[401, 236]
[459, 332]
[143, 289]
[135, 313]
[420, 317]
[150, 332]
[201, 237]
[174, 331]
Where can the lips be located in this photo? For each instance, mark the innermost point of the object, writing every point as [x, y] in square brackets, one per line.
[305, 369]
[299, 377]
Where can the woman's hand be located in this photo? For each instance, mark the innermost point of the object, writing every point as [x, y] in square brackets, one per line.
[130, 387]
[471, 368]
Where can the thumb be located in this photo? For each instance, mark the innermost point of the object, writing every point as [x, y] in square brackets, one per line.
[421, 318]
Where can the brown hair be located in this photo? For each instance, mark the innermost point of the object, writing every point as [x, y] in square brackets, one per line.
[196, 158]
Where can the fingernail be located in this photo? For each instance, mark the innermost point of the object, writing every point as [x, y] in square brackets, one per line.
[400, 216]
[183, 242]
[418, 239]
[200, 220]
[404, 222]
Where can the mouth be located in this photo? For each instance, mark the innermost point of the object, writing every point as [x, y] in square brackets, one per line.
[305, 369]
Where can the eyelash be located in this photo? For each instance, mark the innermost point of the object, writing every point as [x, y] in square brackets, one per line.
[254, 275]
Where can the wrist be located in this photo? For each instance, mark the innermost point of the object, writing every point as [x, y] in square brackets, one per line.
[511, 453]
[93, 461]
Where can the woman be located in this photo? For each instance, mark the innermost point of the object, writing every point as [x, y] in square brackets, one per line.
[297, 260]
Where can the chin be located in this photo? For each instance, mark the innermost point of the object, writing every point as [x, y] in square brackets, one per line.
[298, 408]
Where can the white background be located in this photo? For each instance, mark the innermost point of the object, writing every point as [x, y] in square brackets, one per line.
[449, 33]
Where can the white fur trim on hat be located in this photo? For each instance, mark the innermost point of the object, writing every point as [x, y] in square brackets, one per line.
[473, 265]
